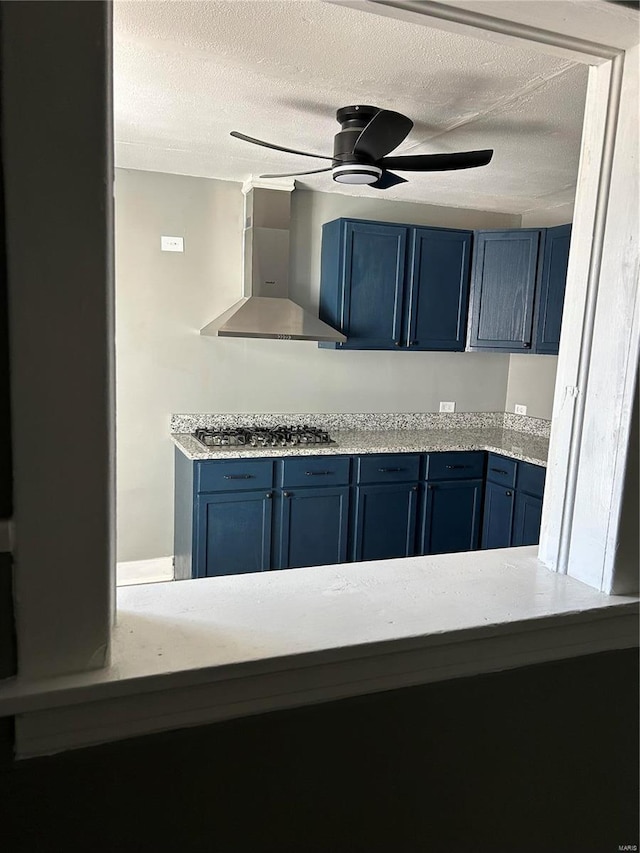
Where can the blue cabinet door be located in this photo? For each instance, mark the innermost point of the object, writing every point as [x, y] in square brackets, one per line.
[553, 281]
[451, 517]
[362, 282]
[526, 519]
[438, 289]
[385, 524]
[505, 267]
[313, 525]
[233, 534]
[498, 516]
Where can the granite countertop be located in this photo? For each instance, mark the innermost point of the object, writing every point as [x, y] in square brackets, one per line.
[517, 445]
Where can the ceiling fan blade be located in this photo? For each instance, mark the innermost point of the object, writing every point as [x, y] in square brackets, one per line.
[246, 138]
[297, 174]
[385, 131]
[387, 180]
[438, 162]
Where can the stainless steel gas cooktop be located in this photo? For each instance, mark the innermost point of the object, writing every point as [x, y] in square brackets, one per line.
[278, 436]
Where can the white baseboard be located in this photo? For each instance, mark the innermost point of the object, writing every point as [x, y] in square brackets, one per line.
[144, 571]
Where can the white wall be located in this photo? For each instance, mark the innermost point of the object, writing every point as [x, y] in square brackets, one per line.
[165, 366]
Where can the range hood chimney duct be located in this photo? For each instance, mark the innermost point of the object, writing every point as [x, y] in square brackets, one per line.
[265, 311]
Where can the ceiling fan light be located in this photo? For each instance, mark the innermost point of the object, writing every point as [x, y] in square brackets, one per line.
[356, 174]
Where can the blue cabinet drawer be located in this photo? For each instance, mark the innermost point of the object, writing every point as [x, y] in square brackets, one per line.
[456, 465]
[531, 478]
[315, 471]
[387, 468]
[501, 470]
[233, 475]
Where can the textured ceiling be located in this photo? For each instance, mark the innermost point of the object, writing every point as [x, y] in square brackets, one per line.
[187, 73]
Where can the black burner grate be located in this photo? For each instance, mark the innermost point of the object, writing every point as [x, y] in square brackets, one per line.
[278, 436]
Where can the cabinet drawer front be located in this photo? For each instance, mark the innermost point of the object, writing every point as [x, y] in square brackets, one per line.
[531, 478]
[234, 475]
[501, 470]
[400, 468]
[315, 471]
[457, 465]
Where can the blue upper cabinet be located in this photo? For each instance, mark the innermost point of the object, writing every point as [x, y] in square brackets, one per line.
[362, 282]
[439, 289]
[393, 287]
[505, 266]
[517, 289]
[552, 286]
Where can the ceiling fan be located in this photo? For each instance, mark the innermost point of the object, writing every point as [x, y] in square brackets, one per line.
[359, 150]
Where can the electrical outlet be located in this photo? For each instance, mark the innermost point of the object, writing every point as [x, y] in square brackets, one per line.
[520, 410]
[172, 244]
[447, 407]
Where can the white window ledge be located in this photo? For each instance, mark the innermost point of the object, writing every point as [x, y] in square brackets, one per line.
[191, 653]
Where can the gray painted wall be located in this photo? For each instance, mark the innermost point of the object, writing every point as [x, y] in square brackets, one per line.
[165, 366]
[531, 382]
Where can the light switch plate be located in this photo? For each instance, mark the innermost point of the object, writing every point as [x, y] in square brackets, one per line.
[520, 410]
[448, 407]
[172, 244]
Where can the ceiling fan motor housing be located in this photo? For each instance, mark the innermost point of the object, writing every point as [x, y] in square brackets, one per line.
[347, 168]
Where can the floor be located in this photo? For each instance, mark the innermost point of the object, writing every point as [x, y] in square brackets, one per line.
[144, 571]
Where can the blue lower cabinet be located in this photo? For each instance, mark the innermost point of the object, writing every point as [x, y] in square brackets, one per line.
[233, 534]
[327, 510]
[498, 516]
[526, 519]
[313, 527]
[385, 521]
[512, 503]
[451, 514]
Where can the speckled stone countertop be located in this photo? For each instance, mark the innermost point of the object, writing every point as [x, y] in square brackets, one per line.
[517, 445]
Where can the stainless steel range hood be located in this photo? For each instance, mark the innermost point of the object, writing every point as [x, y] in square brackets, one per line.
[266, 311]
